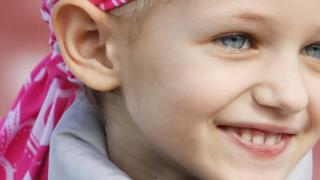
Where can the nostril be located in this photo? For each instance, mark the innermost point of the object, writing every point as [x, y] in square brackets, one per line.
[292, 105]
[282, 102]
[280, 111]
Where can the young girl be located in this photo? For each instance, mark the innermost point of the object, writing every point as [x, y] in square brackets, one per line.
[178, 89]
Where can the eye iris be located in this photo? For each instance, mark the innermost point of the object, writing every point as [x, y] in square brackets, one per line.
[313, 50]
[234, 41]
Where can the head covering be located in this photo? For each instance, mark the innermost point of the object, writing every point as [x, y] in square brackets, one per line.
[50, 89]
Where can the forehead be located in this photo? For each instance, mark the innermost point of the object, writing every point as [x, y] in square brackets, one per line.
[204, 15]
[288, 10]
[281, 5]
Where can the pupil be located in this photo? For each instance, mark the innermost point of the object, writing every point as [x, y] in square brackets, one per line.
[315, 48]
[234, 39]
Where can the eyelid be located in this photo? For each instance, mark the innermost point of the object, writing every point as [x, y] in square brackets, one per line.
[231, 34]
[247, 35]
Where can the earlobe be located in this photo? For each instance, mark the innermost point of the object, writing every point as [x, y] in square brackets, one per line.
[82, 33]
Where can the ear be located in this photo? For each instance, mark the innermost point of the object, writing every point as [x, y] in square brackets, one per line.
[82, 31]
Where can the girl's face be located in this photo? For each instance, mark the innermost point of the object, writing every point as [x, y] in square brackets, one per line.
[227, 88]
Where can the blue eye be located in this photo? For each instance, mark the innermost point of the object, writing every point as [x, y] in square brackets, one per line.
[235, 42]
[313, 50]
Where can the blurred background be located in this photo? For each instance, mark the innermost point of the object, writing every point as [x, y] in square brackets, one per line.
[24, 42]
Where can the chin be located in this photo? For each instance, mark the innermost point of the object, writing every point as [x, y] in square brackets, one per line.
[246, 174]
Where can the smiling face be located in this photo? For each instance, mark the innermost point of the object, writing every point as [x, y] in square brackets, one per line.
[227, 88]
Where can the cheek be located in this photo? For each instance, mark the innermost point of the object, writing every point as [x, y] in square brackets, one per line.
[315, 116]
[313, 87]
[199, 90]
[175, 95]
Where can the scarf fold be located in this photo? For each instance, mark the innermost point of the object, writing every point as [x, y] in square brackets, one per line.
[26, 129]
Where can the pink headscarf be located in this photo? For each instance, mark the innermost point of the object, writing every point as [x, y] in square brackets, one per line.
[49, 90]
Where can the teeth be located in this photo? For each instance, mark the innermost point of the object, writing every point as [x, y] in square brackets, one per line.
[246, 135]
[271, 139]
[254, 136]
[231, 130]
[258, 138]
[279, 137]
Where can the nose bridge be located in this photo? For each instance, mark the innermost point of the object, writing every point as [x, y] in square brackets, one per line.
[283, 86]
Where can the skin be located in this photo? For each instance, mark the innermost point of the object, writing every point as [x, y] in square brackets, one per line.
[178, 83]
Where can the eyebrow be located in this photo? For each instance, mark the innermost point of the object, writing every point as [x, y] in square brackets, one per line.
[206, 20]
[255, 17]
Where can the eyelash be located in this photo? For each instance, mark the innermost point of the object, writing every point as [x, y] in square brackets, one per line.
[250, 42]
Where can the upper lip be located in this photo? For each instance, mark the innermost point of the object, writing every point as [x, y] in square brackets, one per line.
[271, 128]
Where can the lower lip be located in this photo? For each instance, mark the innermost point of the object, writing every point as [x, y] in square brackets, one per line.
[262, 150]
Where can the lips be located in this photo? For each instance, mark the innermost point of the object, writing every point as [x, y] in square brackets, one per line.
[261, 140]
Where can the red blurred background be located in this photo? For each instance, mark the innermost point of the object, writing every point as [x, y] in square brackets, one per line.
[24, 42]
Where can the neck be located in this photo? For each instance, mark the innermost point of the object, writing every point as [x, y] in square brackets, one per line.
[140, 161]
[133, 153]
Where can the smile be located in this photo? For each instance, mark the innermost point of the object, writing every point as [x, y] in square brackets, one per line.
[258, 142]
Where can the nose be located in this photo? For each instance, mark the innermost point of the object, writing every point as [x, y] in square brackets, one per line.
[282, 87]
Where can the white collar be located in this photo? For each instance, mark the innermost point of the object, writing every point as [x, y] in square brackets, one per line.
[77, 147]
